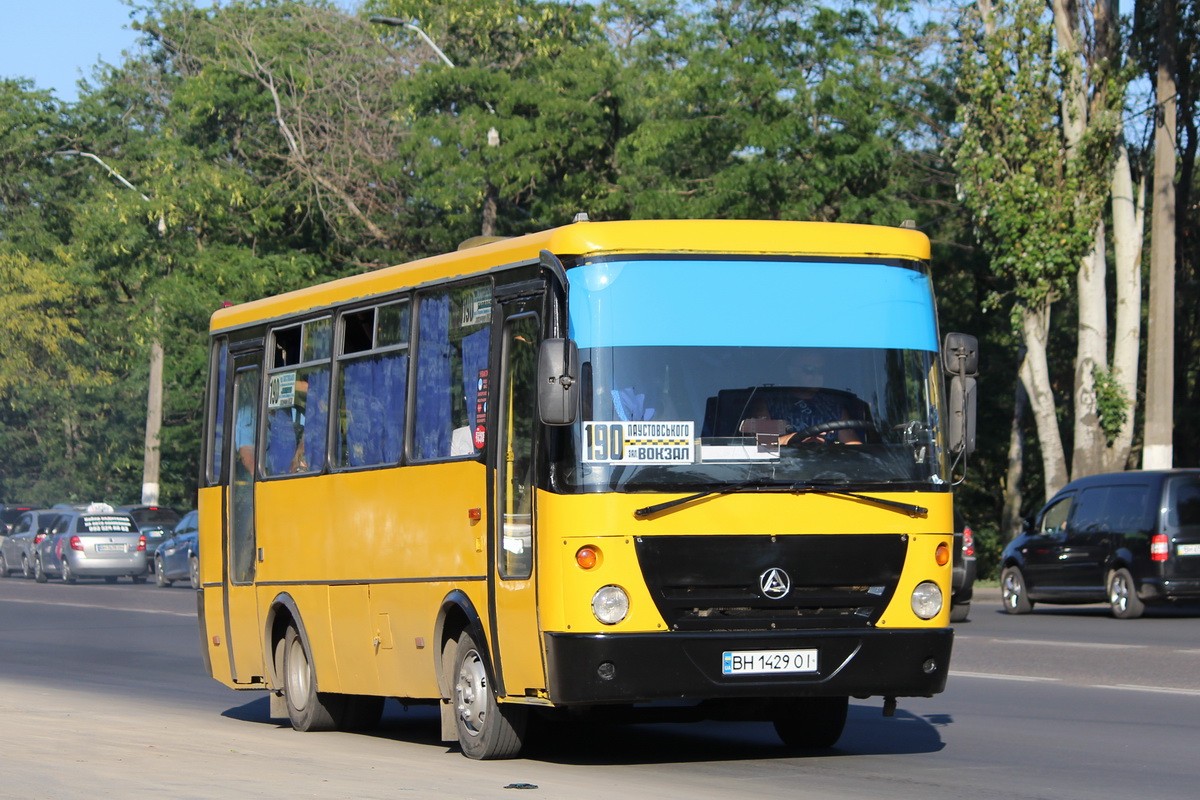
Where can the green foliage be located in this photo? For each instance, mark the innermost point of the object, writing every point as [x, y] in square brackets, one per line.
[1035, 203]
[1112, 405]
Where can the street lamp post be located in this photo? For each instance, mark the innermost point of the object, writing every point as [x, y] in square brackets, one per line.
[151, 461]
[490, 195]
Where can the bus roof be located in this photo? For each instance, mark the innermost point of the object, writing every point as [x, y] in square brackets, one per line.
[744, 237]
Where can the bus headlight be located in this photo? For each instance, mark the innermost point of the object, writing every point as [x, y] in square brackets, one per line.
[610, 604]
[927, 600]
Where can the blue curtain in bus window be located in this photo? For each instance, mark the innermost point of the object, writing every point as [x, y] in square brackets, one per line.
[281, 441]
[395, 385]
[475, 356]
[433, 378]
[316, 415]
[357, 392]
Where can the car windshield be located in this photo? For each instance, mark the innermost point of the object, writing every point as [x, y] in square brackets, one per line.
[686, 386]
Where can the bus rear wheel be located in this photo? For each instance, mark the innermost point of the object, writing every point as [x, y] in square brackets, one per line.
[486, 729]
[808, 723]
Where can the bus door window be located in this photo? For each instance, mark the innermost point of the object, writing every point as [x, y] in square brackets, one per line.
[518, 414]
[216, 427]
[241, 488]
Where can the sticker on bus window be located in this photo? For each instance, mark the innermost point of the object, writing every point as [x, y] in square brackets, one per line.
[638, 442]
[282, 391]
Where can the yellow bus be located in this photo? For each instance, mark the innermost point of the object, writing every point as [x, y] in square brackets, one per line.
[660, 469]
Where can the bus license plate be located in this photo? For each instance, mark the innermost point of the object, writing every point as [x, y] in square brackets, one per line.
[768, 662]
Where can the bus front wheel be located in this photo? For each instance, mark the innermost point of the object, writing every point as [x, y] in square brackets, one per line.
[486, 729]
[806, 723]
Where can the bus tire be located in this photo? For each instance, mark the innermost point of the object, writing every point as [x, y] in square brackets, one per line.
[307, 708]
[486, 729]
[808, 723]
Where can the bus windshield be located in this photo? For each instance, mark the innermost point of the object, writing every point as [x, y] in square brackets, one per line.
[691, 382]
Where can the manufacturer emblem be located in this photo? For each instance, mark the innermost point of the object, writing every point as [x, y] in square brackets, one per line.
[775, 583]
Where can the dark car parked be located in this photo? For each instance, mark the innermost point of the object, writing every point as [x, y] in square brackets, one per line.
[156, 522]
[1128, 538]
[178, 555]
[17, 548]
[962, 582]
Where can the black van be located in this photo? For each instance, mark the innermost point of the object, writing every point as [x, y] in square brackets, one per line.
[1128, 538]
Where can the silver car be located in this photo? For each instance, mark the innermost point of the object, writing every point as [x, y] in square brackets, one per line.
[17, 548]
[92, 544]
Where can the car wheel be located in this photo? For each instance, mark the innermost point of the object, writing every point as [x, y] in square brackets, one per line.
[959, 612]
[39, 572]
[28, 570]
[1013, 592]
[4, 570]
[68, 574]
[809, 723]
[1122, 595]
[194, 572]
[160, 579]
[486, 729]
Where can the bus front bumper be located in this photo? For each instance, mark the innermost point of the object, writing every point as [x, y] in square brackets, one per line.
[646, 667]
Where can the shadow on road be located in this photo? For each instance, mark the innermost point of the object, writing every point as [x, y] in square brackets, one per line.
[614, 744]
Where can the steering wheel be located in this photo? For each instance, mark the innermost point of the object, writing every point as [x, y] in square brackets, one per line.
[826, 427]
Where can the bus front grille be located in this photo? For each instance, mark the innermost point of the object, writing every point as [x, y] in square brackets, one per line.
[771, 582]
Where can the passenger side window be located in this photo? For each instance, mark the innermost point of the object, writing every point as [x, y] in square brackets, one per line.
[298, 398]
[372, 384]
[453, 329]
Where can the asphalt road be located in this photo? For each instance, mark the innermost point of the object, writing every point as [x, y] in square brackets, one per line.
[102, 694]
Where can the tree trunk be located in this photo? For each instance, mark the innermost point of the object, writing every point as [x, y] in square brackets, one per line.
[1091, 354]
[1128, 213]
[1010, 515]
[1035, 374]
[1158, 452]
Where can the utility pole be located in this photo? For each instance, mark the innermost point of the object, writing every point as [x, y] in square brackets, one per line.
[151, 457]
[1158, 448]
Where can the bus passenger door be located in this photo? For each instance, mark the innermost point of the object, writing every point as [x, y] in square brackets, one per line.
[512, 584]
[243, 636]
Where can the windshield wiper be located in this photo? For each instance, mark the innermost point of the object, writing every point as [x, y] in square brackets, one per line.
[911, 509]
[730, 489]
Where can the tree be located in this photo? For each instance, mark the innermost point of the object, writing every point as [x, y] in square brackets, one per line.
[1036, 146]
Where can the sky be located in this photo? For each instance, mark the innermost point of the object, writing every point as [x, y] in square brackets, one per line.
[54, 43]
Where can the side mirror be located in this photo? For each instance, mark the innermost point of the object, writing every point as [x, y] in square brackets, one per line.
[960, 429]
[558, 381]
[960, 354]
[960, 360]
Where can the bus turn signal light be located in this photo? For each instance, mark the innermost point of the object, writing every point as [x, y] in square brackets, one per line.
[942, 554]
[587, 557]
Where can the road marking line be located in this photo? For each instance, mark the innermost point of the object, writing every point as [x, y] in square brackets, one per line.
[96, 607]
[1086, 645]
[995, 676]
[1130, 687]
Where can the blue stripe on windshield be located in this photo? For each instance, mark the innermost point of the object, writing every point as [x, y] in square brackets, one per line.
[751, 304]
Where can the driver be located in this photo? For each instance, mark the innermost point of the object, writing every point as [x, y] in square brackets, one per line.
[807, 405]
